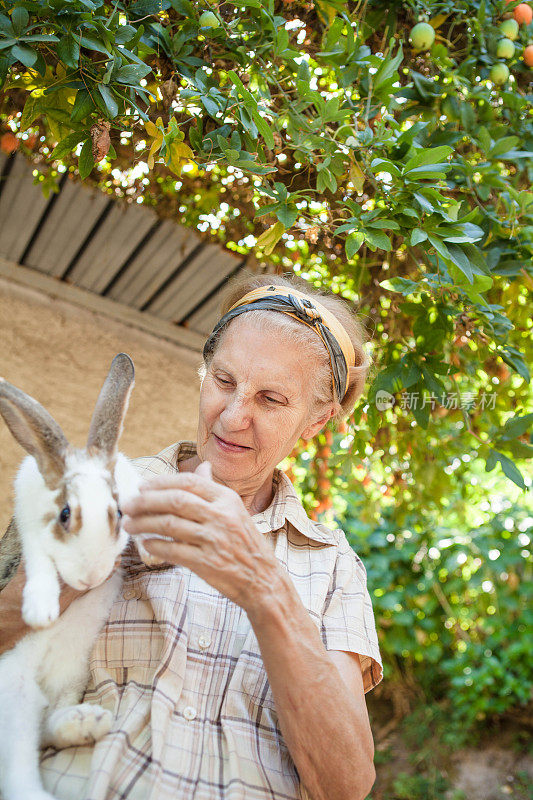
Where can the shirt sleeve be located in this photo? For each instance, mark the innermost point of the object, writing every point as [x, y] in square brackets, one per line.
[348, 617]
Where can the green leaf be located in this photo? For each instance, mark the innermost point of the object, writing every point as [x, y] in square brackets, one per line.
[516, 426]
[269, 239]
[326, 180]
[132, 73]
[387, 68]
[287, 214]
[382, 224]
[424, 204]
[124, 34]
[6, 25]
[509, 468]
[83, 106]
[384, 165]
[439, 246]
[67, 145]
[109, 100]
[26, 55]
[32, 109]
[421, 412]
[145, 8]
[431, 155]
[503, 146]
[68, 51]
[417, 236]
[19, 20]
[353, 243]
[263, 128]
[377, 240]
[94, 44]
[86, 160]
[514, 358]
[402, 285]
[460, 260]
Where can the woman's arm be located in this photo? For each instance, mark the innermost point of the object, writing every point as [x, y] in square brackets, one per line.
[324, 723]
[12, 625]
[12, 582]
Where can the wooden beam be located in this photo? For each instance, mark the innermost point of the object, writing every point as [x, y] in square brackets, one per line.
[56, 288]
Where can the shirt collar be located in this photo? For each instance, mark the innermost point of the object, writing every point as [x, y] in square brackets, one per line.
[284, 507]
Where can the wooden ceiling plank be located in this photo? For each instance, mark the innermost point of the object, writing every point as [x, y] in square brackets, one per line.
[72, 217]
[22, 204]
[52, 287]
[198, 279]
[204, 320]
[163, 253]
[117, 237]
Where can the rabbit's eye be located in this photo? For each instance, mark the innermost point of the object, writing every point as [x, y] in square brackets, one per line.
[64, 515]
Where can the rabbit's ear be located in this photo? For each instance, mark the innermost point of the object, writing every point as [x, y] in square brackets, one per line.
[34, 429]
[111, 406]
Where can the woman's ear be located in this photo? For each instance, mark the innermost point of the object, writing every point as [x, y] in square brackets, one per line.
[316, 426]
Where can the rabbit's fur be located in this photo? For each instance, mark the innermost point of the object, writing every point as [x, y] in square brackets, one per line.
[66, 526]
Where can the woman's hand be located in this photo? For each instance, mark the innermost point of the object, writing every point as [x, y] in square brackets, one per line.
[210, 532]
[13, 627]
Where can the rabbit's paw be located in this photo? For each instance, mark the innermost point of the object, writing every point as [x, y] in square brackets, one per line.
[81, 724]
[146, 557]
[40, 610]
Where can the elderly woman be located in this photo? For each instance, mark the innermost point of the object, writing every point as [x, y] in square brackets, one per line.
[237, 666]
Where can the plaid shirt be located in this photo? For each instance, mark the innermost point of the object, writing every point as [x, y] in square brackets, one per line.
[180, 667]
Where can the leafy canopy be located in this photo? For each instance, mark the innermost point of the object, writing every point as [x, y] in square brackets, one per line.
[313, 136]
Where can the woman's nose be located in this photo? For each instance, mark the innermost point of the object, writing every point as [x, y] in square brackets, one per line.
[236, 414]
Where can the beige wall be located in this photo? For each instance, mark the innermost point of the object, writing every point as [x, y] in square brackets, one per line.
[60, 354]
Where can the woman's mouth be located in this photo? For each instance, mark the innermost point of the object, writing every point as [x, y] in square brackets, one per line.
[230, 447]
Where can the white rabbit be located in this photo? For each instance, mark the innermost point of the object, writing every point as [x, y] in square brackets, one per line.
[67, 517]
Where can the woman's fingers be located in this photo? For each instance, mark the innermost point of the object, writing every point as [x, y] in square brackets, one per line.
[168, 501]
[195, 483]
[173, 552]
[165, 525]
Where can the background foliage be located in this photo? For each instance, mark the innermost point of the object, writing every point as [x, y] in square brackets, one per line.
[315, 137]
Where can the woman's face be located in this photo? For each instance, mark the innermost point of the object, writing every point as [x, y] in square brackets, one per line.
[254, 404]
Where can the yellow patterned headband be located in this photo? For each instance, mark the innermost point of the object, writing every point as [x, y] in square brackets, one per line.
[312, 313]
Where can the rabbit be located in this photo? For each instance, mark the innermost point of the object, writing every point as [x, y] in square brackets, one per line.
[66, 526]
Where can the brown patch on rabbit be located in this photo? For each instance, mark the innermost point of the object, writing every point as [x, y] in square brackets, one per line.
[60, 531]
[10, 554]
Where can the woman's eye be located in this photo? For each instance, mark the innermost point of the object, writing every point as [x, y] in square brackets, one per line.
[272, 400]
[119, 513]
[64, 516]
[224, 382]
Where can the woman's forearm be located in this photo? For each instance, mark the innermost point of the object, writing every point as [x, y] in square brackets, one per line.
[326, 729]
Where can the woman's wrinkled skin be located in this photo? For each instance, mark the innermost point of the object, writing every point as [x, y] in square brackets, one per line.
[254, 406]
[257, 394]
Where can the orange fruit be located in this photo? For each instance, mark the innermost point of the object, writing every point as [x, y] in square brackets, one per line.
[523, 14]
[528, 55]
[329, 437]
[31, 141]
[324, 452]
[9, 143]
[324, 485]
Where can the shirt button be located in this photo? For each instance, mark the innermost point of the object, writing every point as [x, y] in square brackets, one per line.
[130, 593]
[204, 641]
[189, 712]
